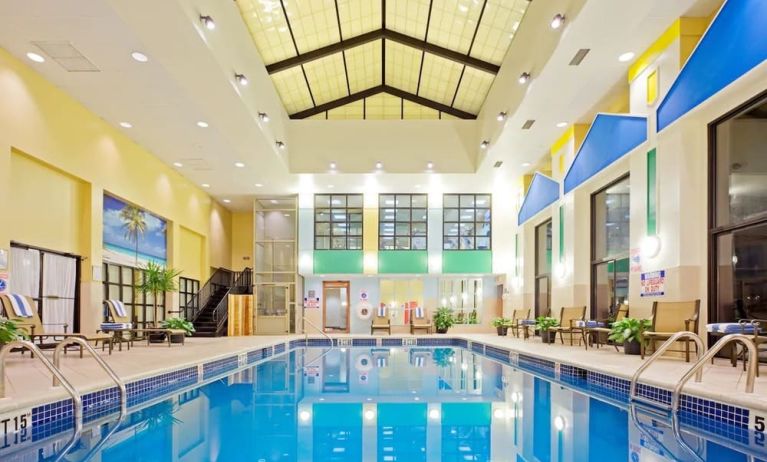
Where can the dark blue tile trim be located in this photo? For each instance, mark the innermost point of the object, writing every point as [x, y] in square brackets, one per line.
[221, 365]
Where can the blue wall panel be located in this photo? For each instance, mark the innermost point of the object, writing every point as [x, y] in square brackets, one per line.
[735, 42]
[610, 137]
[543, 192]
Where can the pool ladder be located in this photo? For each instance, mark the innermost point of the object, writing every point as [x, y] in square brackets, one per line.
[306, 340]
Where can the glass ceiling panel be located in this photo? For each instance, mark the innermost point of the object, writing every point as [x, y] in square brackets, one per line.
[291, 87]
[439, 79]
[403, 64]
[453, 23]
[363, 63]
[327, 78]
[314, 23]
[416, 111]
[268, 28]
[353, 111]
[359, 16]
[383, 106]
[408, 16]
[473, 90]
[499, 24]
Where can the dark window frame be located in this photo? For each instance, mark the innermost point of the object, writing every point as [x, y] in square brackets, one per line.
[138, 300]
[347, 221]
[538, 275]
[410, 235]
[187, 289]
[474, 235]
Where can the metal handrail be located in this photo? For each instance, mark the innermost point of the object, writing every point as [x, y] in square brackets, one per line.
[659, 352]
[697, 368]
[306, 338]
[241, 280]
[77, 402]
[110, 372]
[677, 435]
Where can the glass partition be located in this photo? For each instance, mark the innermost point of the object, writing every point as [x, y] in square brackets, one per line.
[401, 297]
[464, 297]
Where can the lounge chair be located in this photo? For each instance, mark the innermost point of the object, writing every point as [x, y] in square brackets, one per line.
[419, 321]
[381, 321]
[668, 318]
[21, 309]
[516, 317]
[598, 331]
[568, 318]
[119, 316]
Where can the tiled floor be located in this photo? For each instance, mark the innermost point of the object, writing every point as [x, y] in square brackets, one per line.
[28, 382]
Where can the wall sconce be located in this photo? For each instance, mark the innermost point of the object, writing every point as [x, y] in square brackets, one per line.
[650, 246]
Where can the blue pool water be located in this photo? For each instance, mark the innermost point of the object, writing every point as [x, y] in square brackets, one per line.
[388, 405]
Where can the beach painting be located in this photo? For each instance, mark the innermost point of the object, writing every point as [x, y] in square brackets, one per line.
[133, 236]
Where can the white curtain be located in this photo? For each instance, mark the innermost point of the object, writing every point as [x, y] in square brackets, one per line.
[25, 272]
[59, 281]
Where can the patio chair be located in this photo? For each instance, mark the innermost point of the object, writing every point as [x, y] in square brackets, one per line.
[381, 321]
[516, 317]
[597, 332]
[118, 315]
[419, 321]
[668, 318]
[567, 323]
[21, 309]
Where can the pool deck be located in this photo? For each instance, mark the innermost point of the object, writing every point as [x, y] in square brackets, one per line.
[29, 383]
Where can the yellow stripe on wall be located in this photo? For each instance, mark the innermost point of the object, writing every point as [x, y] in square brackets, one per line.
[370, 240]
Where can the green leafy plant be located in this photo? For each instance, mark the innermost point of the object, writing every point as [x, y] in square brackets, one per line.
[158, 279]
[473, 317]
[9, 331]
[443, 318]
[443, 356]
[544, 323]
[629, 330]
[501, 322]
[180, 324]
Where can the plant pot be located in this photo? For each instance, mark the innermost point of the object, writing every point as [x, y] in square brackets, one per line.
[441, 330]
[632, 348]
[548, 336]
[157, 337]
[502, 331]
[177, 338]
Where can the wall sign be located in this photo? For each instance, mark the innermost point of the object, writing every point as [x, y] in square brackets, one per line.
[635, 260]
[652, 284]
[364, 295]
[311, 301]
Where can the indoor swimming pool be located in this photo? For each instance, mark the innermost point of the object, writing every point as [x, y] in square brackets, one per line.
[389, 404]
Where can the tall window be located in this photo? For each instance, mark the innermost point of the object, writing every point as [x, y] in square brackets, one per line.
[610, 220]
[338, 221]
[543, 269]
[187, 288]
[402, 220]
[466, 221]
[122, 283]
[738, 219]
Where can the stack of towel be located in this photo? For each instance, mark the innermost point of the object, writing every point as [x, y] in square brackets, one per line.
[589, 324]
[116, 326]
[731, 328]
[527, 322]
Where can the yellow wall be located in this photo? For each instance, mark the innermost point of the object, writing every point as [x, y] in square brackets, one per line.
[220, 237]
[56, 161]
[242, 241]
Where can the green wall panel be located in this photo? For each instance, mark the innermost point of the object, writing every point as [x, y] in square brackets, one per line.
[467, 261]
[652, 181]
[403, 262]
[338, 261]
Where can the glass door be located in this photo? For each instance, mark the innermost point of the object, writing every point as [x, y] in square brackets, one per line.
[543, 269]
[272, 309]
[335, 306]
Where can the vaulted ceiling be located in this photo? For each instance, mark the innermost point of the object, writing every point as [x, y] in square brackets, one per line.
[382, 59]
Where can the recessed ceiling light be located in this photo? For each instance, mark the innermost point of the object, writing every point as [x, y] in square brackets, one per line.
[35, 57]
[126, 125]
[525, 164]
[208, 22]
[332, 165]
[523, 78]
[501, 116]
[286, 214]
[330, 186]
[241, 79]
[226, 201]
[429, 165]
[418, 186]
[263, 116]
[562, 125]
[557, 21]
[239, 164]
[379, 165]
[178, 164]
[627, 56]
[202, 124]
[273, 201]
[484, 144]
[139, 56]
[259, 185]
[280, 145]
[205, 185]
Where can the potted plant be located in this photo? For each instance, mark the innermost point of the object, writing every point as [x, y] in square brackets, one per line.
[501, 325]
[543, 324]
[178, 324]
[629, 332]
[443, 320]
[473, 317]
[9, 332]
[158, 279]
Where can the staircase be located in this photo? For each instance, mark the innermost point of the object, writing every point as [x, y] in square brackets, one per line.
[208, 310]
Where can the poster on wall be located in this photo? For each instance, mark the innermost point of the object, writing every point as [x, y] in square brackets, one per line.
[635, 259]
[133, 236]
[652, 284]
[311, 300]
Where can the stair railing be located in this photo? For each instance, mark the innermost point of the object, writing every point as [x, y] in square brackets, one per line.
[243, 284]
[220, 278]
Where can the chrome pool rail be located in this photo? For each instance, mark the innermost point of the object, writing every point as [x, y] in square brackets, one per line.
[110, 372]
[684, 335]
[306, 334]
[77, 402]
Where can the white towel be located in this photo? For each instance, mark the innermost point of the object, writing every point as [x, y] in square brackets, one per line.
[119, 308]
[20, 305]
[381, 362]
[381, 311]
[419, 313]
[419, 361]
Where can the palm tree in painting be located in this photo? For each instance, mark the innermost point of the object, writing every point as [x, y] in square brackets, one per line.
[134, 224]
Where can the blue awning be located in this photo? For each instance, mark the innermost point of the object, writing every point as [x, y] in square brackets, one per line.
[543, 192]
[610, 137]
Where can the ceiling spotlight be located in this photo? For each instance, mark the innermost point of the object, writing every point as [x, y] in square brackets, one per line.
[126, 125]
[280, 145]
[205, 185]
[178, 164]
[239, 164]
[35, 57]
[330, 186]
[557, 21]
[263, 116]
[429, 165]
[484, 144]
[273, 201]
[379, 165]
[627, 56]
[241, 79]
[523, 78]
[259, 185]
[139, 56]
[501, 116]
[332, 166]
[562, 125]
[202, 124]
[208, 22]
[526, 164]
[226, 201]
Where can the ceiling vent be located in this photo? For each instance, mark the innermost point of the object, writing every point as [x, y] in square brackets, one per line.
[498, 164]
[528, 124]
[579, 56]
[67, 56]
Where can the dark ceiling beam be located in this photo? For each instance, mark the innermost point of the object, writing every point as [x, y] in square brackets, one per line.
[383, 89]
[388, 35]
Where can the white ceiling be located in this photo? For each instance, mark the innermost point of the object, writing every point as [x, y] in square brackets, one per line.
[190, 78]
